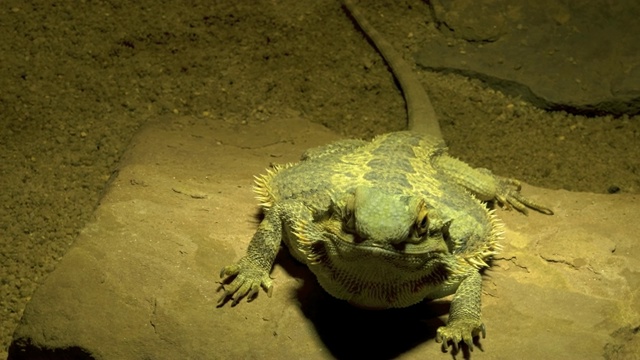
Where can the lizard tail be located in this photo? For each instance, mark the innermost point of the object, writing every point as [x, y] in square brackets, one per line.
[422, 117]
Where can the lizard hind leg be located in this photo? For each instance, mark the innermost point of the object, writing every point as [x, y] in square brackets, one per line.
[508, 194]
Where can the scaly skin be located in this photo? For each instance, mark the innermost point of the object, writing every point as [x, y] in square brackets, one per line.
[383, 224]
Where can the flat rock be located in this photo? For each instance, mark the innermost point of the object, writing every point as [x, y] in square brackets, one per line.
[140, 282]
[575, 56]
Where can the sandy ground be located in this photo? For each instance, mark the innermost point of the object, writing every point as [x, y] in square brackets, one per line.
[78, 80]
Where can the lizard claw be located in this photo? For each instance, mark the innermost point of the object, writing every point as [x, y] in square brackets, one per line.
[459, 331]
[509, 196]
[248, 278]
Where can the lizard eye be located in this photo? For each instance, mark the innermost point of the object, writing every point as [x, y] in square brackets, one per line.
[349, 216]
[422, 220]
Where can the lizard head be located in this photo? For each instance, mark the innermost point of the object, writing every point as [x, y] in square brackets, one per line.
[381, 218]
[374, 217]
[372, 223]
[376, 248]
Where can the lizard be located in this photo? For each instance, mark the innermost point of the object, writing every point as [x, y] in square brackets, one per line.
[385, 223]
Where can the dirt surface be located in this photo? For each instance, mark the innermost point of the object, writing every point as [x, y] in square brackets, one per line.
[555, 55]
[78, 80]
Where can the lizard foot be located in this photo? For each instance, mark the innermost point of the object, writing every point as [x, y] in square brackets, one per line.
[247, 281]
[462, 330]
[509, 196]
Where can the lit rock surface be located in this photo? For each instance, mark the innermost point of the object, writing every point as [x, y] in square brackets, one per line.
[140, 281]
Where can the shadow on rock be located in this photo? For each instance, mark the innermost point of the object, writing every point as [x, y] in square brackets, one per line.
[351, 332]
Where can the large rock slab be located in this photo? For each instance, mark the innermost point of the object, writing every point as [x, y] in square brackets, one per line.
[578, 56]
[140, 282]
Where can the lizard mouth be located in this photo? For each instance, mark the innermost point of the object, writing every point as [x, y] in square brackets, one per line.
[353, 243]
[327, 242]
[350, 247]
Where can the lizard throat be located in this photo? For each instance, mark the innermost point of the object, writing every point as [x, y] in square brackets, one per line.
[371, 275]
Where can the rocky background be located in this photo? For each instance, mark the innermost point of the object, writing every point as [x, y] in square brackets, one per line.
[542, 93]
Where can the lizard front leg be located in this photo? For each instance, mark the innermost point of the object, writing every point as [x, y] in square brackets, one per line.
[252, 270]
[464, 316]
